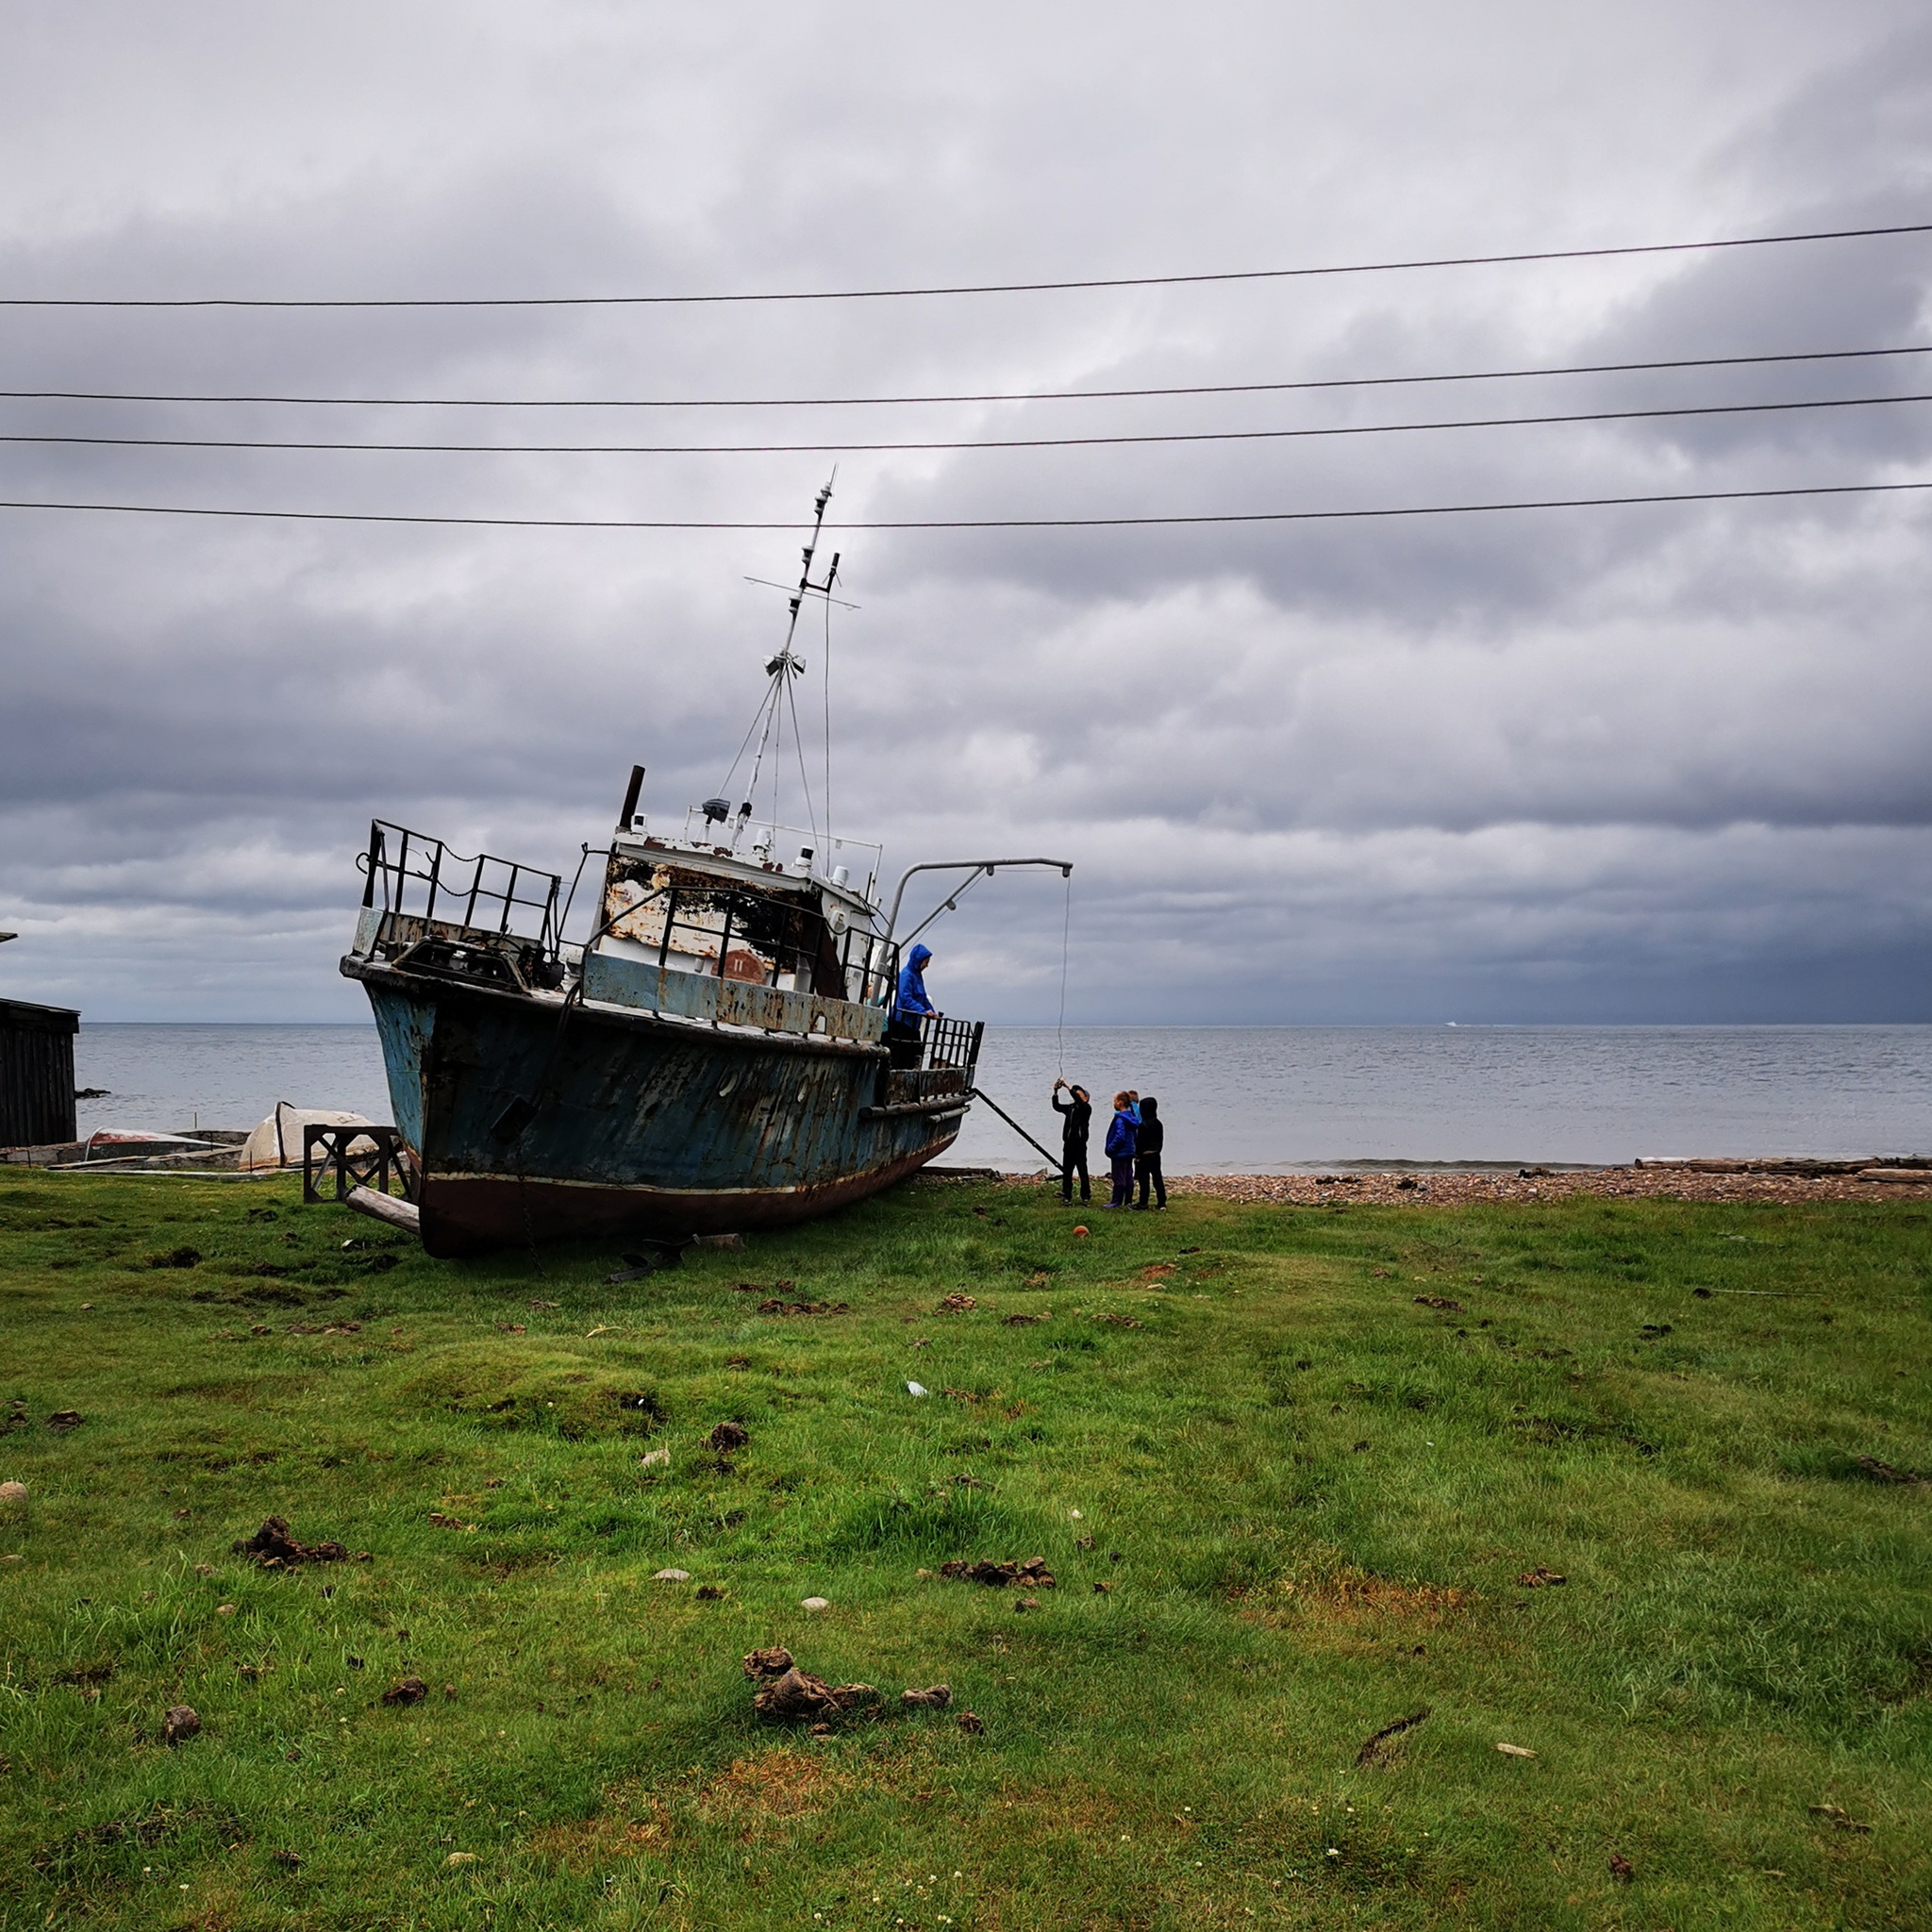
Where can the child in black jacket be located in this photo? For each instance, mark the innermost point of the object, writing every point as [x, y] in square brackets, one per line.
[1148, 1153]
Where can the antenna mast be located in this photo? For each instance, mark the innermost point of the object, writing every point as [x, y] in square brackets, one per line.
[781, 669]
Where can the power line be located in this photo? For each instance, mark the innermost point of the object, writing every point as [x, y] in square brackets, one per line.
[1044, 395]
[1251, 274]
[1266, 516]
[749, 449]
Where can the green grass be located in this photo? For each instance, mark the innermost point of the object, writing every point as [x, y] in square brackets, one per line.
[1320, 1493]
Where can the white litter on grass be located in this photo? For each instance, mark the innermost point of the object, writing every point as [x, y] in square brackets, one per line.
[1074, 1514]
[653, 1459]
[1515, 1751]
[917, 1389]
[814, 1603]
[671, 1577]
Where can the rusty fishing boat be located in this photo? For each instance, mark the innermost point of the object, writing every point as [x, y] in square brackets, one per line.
[712, 1057]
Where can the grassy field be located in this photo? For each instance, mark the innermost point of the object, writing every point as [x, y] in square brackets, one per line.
[1287, 1466]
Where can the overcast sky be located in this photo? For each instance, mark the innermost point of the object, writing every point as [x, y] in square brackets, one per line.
[1664, 762]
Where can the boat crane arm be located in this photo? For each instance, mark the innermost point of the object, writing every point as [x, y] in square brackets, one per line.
[1064, 866]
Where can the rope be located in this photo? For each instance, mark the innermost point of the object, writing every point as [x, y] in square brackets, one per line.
[1066, 933]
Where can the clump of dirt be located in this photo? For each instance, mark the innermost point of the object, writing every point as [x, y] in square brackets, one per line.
[1385, 1747]
[761, 1664]
[1032, 1573]
[935, 1698]
[1028, 1320]
[958, 1304]
[972, 1724]
[180, 1723]
[66, 1419]
[798, 1695]
[406, 1691]
[1118, 1321]
[1883, 1471]
[176, 1258]
[1540, 1578]
[775, 1306]
[271, 1548]
[727, 1437]
[1439, 1301]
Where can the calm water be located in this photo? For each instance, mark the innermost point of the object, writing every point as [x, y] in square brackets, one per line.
[1237, 1100]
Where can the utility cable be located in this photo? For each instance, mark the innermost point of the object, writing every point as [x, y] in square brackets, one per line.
[1120, 523]
[766, 449]
[1043, 396]
[1252, 274]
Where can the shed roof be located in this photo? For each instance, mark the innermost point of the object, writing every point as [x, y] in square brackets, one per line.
[21, 1016]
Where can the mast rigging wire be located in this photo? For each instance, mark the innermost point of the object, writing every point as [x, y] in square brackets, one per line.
[1253, 275]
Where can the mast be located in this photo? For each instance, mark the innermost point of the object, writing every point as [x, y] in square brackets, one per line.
[782, 669]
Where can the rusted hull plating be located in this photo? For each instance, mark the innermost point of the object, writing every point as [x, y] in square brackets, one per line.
[531, 1124]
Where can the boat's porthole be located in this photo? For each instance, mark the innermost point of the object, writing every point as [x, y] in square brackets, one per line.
[724, 1087]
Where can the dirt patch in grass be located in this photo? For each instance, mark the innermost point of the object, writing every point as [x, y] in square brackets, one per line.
[1348, 1598]
[633, 1824]
[772, 1787]
[750, 1798]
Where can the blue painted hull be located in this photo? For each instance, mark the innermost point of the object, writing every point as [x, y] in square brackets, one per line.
[634, 1122]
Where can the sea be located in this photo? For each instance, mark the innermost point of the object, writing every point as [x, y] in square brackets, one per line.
[1236, 1099]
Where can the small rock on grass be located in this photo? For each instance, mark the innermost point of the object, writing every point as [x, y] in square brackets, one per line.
[460, 1858]
[671, 1577]
[814, 1603]
[12, 1492]
[180, 1723]
[657, 1459]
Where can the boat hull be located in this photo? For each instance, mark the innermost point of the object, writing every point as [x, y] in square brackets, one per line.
[532, 1121]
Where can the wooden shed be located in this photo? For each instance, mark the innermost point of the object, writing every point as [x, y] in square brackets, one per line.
[36, 1074]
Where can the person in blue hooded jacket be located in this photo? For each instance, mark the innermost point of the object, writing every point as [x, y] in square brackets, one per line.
[909, 1006]
[1122, 1133]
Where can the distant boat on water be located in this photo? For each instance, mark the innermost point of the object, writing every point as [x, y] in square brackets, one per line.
[712, 1058]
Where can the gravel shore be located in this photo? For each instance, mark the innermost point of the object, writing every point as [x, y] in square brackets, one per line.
[1439, 1190]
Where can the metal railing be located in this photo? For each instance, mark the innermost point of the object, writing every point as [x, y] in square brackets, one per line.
[419, 877]
[951, 1043]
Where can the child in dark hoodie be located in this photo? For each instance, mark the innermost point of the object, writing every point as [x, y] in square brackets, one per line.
[1147, 1153]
